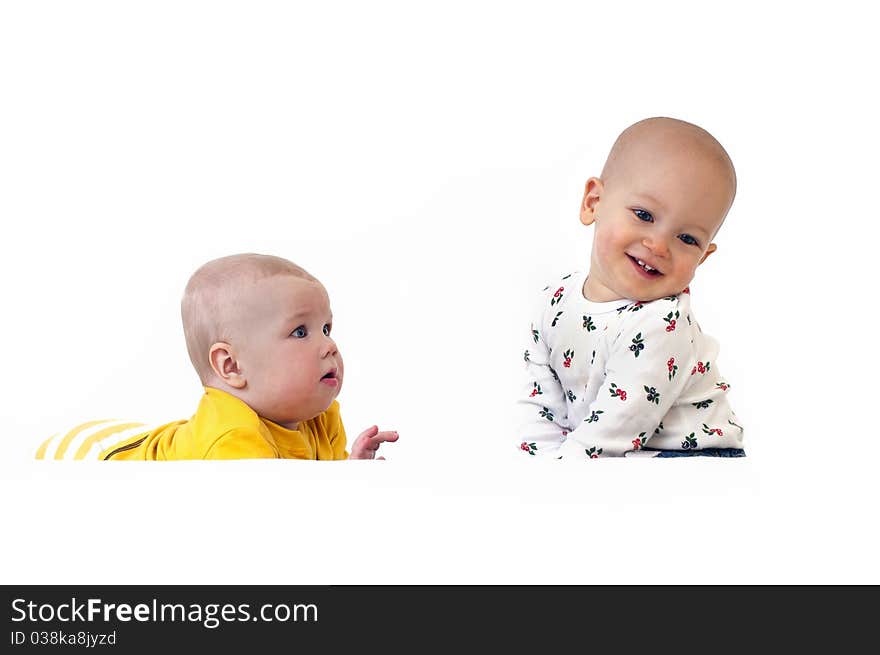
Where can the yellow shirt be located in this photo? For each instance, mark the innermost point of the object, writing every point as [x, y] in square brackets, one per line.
[224, 427]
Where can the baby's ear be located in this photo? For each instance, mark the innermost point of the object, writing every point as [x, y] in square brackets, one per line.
[592, 192]
[225, 364]
[712, 248]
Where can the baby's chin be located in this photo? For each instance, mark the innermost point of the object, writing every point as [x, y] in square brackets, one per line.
[292, 417]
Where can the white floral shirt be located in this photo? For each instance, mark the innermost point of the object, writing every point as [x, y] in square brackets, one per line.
[620, 378]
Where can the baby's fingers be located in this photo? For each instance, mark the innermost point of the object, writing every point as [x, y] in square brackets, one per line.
[369, 432]
[388, 435]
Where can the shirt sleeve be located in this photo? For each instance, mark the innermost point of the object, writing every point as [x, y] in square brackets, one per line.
[241, 443]
[541, 407]
[645, 373]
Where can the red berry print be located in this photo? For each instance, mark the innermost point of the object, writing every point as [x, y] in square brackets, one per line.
[617, 393]
[557, 297]
[639, 441]
[673, 369]
[568, 355]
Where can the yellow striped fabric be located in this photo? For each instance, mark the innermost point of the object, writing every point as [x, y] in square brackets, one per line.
[88, 440]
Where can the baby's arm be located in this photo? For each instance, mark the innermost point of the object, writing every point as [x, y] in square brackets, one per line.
[364, 447]
[541, 403]
[367, 444]
[647, 370]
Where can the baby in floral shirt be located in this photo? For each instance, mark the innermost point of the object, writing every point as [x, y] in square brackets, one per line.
[616, 363]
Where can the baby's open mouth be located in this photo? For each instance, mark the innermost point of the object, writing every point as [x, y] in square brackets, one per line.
[331, 375]
[646, 268]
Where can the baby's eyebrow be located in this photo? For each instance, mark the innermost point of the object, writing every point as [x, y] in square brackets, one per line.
[693, 227]
[303, 313]
[651, 200]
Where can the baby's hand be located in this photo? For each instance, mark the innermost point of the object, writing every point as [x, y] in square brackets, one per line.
[368, 442]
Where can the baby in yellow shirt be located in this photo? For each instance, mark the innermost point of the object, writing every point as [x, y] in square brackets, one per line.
[257, 331]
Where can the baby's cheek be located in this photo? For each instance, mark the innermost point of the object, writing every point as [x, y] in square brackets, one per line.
[603, 249]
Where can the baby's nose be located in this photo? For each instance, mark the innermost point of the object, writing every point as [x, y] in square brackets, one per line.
[329, 347]
[658, 247]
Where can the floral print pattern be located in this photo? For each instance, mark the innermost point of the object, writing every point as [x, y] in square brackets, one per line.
[637, 345]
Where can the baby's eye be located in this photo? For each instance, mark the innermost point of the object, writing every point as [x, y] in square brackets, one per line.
[688, 239]
[326, 330]
[643, 215]
[300, 332]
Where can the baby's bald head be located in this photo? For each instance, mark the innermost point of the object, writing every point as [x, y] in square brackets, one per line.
[214, 299]
[653, 141]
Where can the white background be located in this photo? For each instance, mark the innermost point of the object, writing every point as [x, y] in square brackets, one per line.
[425, 161]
